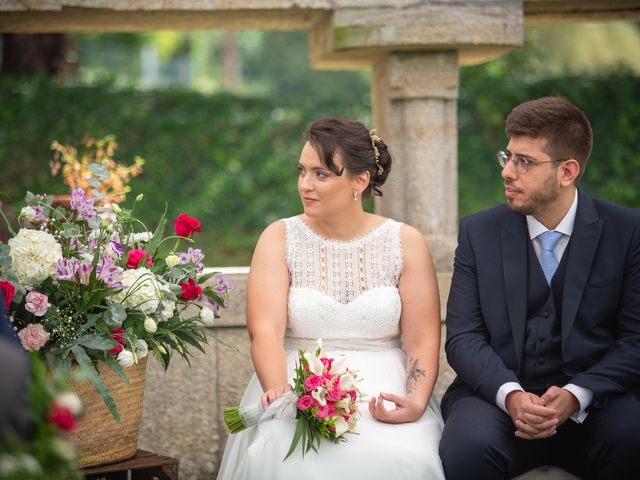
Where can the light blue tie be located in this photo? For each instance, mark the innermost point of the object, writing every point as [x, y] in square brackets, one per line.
[548, 260]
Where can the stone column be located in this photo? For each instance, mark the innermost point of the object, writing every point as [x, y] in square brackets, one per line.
[414, 105]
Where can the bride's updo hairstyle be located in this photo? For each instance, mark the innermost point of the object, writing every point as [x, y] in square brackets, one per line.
[360, 149]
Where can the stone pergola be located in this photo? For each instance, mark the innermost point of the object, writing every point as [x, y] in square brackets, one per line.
[414, 49]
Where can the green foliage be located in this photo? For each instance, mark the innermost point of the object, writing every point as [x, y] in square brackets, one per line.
[228, 161]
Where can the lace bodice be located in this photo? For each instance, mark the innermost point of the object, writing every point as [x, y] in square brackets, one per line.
[344, 290]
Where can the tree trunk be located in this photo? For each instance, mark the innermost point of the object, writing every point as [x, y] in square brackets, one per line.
[49, 54]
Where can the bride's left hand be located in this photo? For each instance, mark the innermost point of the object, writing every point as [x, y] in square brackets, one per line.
[406, 410]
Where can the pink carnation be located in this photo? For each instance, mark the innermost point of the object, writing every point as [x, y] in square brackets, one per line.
[312, 382]
[327, 362]
[37, 303]
[306, 402]
[33, 337]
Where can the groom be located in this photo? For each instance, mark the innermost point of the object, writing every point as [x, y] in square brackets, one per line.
[543, 317]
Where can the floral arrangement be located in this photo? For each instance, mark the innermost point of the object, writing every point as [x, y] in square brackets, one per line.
[325, 397]
[49, 453]
[91, 284]
[96, 159]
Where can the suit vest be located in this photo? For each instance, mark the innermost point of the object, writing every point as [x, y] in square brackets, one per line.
[542, 356]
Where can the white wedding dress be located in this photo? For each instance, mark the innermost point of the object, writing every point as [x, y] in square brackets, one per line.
[345, 293]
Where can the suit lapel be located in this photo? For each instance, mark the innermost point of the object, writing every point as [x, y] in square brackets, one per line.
[514, 263]
[582, 248]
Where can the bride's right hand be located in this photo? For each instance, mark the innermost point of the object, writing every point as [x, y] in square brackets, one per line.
[270, 395]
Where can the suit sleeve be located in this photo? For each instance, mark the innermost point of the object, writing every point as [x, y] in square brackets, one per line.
[467, 346]
[619, 369]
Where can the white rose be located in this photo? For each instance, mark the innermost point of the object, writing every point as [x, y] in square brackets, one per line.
[142, 290]
[207, 316]
[125, 358]
[142, 349]
[172, 260]
[28, 213]
[71, 402]
[149, 325]
[34, 256]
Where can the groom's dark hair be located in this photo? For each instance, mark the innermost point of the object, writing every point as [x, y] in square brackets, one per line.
[565, 127]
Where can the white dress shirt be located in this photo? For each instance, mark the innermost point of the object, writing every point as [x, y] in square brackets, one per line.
[584, 395]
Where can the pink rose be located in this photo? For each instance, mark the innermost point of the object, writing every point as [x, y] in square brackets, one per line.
[135, 256]
[37, 303]
[328, 410]
[33, 337]
[306, 402]
[312, 382]
[334, 394]
[8, 291]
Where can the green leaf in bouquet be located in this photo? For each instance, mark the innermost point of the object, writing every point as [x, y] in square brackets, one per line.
[152, 246]
[176, 274]
[213, 295]
[71, 230]
[94, 182]
[300, 434]
[114, 315]
[94, 223]
[203, 278]
[94, 377]
[96, 342]
[91, 321]
[113, 364]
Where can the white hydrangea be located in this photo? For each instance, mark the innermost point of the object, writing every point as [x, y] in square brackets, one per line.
[34, 256]
[168, 305]
[142, 292]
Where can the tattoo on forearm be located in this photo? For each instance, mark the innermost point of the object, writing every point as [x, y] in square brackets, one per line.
[413, 374]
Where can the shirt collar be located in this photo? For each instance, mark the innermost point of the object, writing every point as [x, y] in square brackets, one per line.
[565, 226]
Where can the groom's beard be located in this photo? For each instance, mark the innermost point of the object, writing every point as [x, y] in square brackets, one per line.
[538, 201]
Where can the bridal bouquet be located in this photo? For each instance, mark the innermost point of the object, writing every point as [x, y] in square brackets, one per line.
[90, 283]
[324, 396]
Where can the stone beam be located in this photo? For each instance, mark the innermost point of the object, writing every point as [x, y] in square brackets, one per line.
[112, 20]
[546, 11]
[479, 31]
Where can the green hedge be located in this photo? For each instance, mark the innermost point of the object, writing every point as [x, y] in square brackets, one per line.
[231, 161]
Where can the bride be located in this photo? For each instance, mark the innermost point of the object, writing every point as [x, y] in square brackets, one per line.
[366, 285]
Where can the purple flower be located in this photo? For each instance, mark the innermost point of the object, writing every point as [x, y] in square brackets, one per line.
[114, 249]
[109, 272]
[85, 210]
[39, 213]
[223, 289]
[193, 255]
[83, 272]
[66, 269]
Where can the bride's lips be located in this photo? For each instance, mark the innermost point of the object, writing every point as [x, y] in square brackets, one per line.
[308, 200]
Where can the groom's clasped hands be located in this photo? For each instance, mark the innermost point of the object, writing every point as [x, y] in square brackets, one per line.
[538, 417]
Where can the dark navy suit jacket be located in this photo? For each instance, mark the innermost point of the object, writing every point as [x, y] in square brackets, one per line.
[600, 329]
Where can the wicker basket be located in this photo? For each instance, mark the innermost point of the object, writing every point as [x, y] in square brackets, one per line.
[98, 437]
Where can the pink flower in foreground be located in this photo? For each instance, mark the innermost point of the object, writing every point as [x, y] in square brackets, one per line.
[327, 362]
[8, 291]
[305, 402]
[327, 410]
[33, 337]
[334, 394]
[312, 382]
[37, 303]
[61, 417]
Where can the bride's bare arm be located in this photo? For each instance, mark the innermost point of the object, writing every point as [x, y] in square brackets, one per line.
[420, 324]
[267, 294]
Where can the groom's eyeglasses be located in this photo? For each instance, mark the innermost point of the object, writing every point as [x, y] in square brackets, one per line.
[520, 163]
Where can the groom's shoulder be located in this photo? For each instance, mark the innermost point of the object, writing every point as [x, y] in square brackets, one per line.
[492, 218]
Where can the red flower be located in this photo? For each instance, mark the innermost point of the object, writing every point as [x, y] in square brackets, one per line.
[7, 292]
[117, 335]
[135, 256]
[62, 417]
[190, 291]
[185, 226]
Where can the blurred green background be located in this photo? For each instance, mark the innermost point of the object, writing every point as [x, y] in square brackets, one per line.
[219, 117]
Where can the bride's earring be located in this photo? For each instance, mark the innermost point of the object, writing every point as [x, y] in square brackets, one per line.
[355, 196]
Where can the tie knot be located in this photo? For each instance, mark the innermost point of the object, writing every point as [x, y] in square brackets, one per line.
[549, 240]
